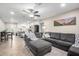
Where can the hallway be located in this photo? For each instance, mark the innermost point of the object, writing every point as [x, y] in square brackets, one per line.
[17, 48]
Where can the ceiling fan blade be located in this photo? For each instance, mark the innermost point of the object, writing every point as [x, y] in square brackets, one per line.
[30, 10]
[37, 15]
[36, 11]
[25, 11]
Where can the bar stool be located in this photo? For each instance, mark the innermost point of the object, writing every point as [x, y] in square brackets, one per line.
[9, 34]
[2, 36]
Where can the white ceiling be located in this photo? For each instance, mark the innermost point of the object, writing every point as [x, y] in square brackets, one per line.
[45, 10]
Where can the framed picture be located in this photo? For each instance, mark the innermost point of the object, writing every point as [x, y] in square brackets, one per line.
[66, 21]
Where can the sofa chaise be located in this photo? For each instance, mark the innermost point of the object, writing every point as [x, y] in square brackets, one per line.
[38, 47]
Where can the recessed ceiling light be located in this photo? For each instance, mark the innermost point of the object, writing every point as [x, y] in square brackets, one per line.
[12, 13]
[62, 4]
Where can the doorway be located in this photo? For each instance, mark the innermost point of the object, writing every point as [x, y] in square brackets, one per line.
[36, 28]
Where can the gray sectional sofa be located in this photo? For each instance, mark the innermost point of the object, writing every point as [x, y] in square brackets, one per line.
[61, 40]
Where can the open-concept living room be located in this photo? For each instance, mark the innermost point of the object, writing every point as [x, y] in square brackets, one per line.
[39, 29]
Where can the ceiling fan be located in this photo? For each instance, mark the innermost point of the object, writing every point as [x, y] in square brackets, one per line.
[32, 12]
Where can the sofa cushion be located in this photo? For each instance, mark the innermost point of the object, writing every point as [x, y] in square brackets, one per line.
[64, 43]
[38, 35]
[59, 42]
[55, 35]
[68, 37]
[45, 35]
[40, 45]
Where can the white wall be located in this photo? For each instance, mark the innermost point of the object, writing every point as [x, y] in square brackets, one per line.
[2, 26]
[11, 27]
[16, 27]
[24, 27]
[36, 23]
[49, 23]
